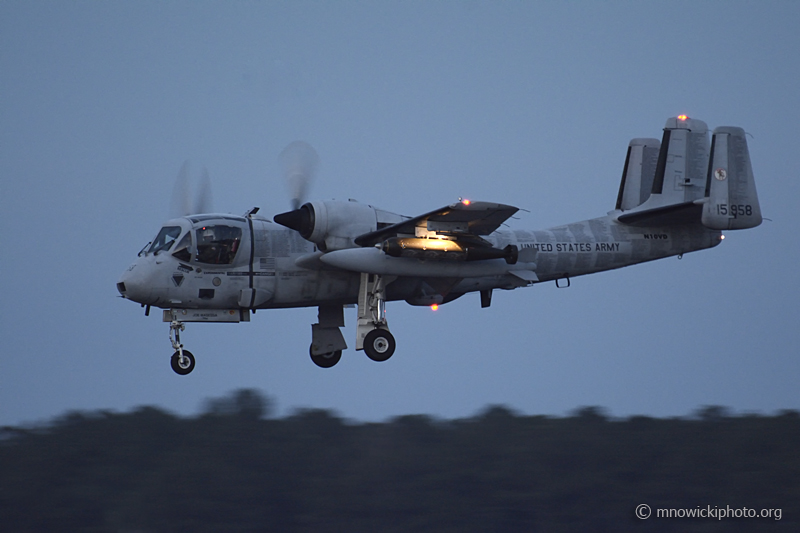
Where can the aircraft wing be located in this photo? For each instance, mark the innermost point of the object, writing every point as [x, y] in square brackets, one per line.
[462, 219]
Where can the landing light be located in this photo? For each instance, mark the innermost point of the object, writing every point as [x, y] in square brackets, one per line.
[722, 237]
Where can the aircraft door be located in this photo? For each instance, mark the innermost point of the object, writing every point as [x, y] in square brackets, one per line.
[261, 271]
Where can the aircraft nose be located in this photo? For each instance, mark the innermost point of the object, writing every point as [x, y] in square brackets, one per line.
[132, 286]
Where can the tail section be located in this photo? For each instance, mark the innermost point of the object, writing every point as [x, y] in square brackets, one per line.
[692, 184]
[731, 200]
[682, 163]
[638, 173]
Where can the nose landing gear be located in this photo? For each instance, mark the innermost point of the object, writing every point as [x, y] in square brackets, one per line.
[182, 361]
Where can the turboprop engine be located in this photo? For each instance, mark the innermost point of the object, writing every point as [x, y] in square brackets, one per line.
[331, 224]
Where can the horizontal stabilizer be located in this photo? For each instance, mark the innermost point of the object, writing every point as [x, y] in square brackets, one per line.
[669, 215]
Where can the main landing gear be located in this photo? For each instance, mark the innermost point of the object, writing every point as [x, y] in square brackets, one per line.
[182, 361]
[379, 344]
[327, 341]
[372, 334]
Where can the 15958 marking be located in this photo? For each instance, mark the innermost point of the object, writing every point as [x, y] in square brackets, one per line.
[735, 210]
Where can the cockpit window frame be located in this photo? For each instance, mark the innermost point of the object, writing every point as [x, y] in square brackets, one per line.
[184, 249]
[161, 242]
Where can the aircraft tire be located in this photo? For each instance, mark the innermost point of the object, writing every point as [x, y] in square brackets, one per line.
[182, 367]
[379, 345]
[326, 360]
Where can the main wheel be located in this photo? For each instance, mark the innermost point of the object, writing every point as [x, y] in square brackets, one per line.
[379, 344]
[183, 365]
[326, 360]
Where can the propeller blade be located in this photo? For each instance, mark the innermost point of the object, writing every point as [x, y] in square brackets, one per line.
[181, 202]
[204, 201]
[299, 161]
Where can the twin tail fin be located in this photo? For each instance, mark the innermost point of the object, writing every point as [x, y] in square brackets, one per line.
[689, 182]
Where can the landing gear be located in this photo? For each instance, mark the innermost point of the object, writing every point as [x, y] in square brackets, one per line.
[327, 341]
[372, 334]
[379, 344]
[325, 360]
[182, 360]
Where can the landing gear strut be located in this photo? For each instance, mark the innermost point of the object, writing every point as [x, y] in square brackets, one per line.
[372, 334]
[182, 361]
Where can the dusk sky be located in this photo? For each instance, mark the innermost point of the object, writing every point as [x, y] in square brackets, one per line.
[410, 105]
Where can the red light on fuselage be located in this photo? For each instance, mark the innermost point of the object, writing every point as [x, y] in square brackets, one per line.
[465, 201]
[434, 307]
[682, 117]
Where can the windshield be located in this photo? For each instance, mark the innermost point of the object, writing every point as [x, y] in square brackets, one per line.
[165, 239]
[183, 250]
[217, 245]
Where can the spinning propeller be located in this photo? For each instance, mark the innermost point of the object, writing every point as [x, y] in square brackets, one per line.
[183, 203]
[299, 162]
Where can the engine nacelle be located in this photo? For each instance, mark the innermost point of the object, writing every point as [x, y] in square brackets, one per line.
[331, 224]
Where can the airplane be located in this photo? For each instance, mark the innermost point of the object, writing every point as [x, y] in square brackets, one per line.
[676, 196]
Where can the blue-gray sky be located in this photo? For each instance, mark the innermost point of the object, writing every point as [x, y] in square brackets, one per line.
[410, 105]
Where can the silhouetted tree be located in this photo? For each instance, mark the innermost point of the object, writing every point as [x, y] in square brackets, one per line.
[233, 469]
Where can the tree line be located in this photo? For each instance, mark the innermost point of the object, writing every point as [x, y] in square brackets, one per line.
[236, 467]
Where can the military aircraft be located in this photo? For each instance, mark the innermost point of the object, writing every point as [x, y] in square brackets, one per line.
[676, 196]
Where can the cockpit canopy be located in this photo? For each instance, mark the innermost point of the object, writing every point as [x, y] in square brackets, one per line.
[217, 245]
[215, 242]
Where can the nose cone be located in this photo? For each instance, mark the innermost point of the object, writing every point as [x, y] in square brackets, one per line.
[133, 285]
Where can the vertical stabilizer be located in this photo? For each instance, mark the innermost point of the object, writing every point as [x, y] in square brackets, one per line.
[638, 173]
[682, 163]
[732, 202]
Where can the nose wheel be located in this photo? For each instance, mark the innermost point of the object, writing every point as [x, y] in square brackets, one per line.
[182, 361]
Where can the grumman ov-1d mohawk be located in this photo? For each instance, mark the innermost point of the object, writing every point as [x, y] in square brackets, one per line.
[676, 196]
